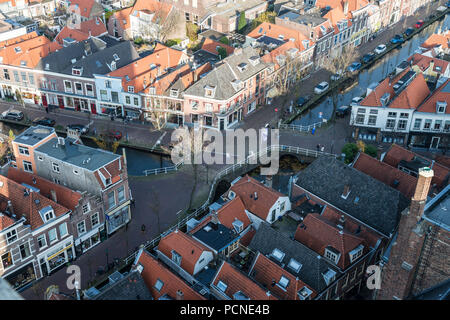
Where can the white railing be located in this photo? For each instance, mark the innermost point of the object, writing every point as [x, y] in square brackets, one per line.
[163, 170]
[250, 160]
[301, 128]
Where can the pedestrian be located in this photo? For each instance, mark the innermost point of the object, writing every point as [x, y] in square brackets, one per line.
[95, 131]
[318, 147]
[46, 109]
[143, 228]
[322, 148]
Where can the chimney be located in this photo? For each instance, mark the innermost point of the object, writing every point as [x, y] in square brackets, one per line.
[423, 184]
[214, 218]
[346, 7]
[180, 295]
[269, 181]
[256, 195]
[10, 207]
[341, 222]
[346, 191]
[53, 195]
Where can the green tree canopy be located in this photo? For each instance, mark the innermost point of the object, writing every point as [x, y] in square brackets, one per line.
[222, 52]
[242, 21]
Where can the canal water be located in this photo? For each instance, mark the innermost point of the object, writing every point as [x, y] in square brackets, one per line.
[377, 72]
[137, 160]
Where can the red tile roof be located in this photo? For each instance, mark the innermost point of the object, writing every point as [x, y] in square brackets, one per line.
[94, 27]
[5, 221]
[18, 39]
[188, 248]
[386, 174]
[84, 6]
[429, 106]
[274, 31]
[436, 40]
[321, 233]
[246, 187]
[212, 46]
[65, 196]
[27, 205]
[396, 153]
[423, 62]
[237, 281]
[267, 273]
[155, 270]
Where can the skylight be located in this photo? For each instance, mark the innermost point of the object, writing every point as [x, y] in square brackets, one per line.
[222, 286]
[284, 282]
[17, 49]
[278, 254]
[295, 265]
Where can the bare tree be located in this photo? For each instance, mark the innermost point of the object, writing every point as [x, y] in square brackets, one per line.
[163, 24]
[157, 114]
[337, 65]
[106, 140]
[288, 74]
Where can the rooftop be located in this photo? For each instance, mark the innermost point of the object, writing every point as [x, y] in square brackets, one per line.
[128, 287]
[437, 210]
[33, 135]
[216, 236]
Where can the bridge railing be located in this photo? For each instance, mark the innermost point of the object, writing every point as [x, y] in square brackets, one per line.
[294, 127]
[155, 171]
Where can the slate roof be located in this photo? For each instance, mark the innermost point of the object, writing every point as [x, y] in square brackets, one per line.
[76, 154]
[217, 238]
[33, 135]
[130, 287]
[97, 62]
[222, 76]
[377, 205]
[267, 239]
[436, 210]
[440, 291]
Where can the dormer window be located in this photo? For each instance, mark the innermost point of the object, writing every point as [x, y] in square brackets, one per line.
[238, 225]
[281, 37]
[76, 71]
[130, 89]
[46, 213]
[47, 66]
[441, 106]
[332, 255]
[222, 286]
[209, 91]
[108, 181]
[305, 44]
[329, 276]
[239, 295]
[17, 49]
[242, 66]
[113, 65]
[295, 265]
[23, 63]
[116, 57]
[174, 93]
[284, 282]
[304, 293]
[176, 258]
[277, 254]
[356, 253]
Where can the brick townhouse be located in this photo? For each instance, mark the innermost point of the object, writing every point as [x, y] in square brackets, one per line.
[439, 41]
[228, 93]
[35, 234]
[100, 173]
[85, 30]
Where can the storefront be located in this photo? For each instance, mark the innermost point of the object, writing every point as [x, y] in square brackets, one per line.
[21, 277]
[90, 240]
[56, 257]
[118, 218]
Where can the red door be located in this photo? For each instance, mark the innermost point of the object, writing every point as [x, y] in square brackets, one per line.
[44, 100]
[61, 102]
[93, 109]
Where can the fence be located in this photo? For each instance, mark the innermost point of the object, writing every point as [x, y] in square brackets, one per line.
[163, 170]
[250, 160]
[294, 127]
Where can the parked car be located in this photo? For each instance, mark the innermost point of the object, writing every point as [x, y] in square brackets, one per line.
[335, 77]
[13, 115]
[355, 66]
[79, 127]
[448, 4]
[419, 24]
[321, 87]
[342, 111]
[368, 57]
[398, 38]
[302, 101]
[408, 32]
[380, 49]
[43, 121]
[356, 101]
[114, 134]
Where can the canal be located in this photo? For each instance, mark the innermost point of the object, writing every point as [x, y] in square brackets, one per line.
[137, 160]
[377, 72]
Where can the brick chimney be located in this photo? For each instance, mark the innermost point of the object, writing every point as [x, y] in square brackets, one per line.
[180, 295]
[214, 218]
[398, 274]
[346, 7]
[53, 195]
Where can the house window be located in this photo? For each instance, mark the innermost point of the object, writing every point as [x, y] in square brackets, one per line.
[136, 101]
[41, 241]
[27, 166]
[67, 86]
[6, 74]
[31, 77]
[86, 208]
[78, 88]
[208, 107]
[127, 100]
[24, 151]
[392, 114]
[121, 194]
[222, 286]
[49, 215]
[95, 219]
[402, 124]
[441, 106]
[158, 285]
[108, 84]
[7, 260]
[331, 255]
[372, 120]
[390, 124]
[55, 167]
[11, 236]
[284, 282]
[417, 124]
[360, 119]
[89, 90]
[427, 124]
[25, 251]
[356, 253]
[404, 115]
[107, 181]
[52, 236]
[63, 230]
[176, 258]
[437, 124]
[111, 199]
[81, 227]
[131, 89]
[282, 207]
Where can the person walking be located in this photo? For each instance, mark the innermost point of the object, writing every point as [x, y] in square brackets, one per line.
[46, 110]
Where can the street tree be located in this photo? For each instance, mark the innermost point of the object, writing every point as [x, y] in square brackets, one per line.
[288, 74]
[161, 26]
[337, 64]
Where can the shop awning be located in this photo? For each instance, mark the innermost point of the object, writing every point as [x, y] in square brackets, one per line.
[60, 251]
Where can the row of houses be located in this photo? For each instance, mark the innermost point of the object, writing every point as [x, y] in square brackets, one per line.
[409, 107]
[314, 242]
[58, 200]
